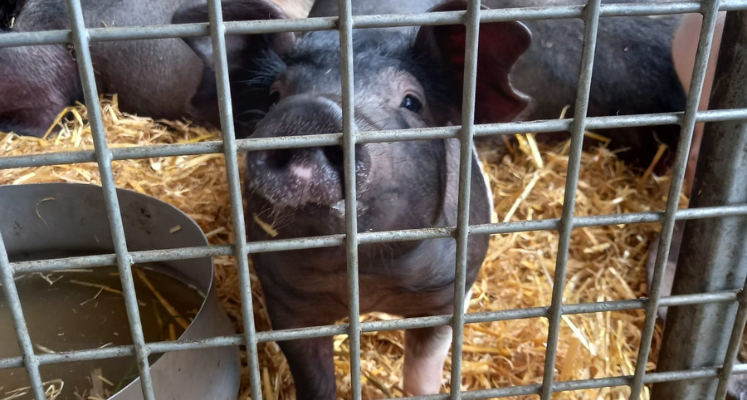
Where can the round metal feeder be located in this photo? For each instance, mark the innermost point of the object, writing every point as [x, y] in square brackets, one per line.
[42, 219]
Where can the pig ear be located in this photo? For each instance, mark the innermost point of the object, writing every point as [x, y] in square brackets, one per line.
[500, 45]
[238, 47]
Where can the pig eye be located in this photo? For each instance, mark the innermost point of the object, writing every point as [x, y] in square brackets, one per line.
[411, 103]
[274, 97]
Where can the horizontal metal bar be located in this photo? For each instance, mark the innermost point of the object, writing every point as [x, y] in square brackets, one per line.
[655, 377]
[406, 323]
[186, 253]
[72, 356]
[12, 39]
[15, 39]
[523, 390]
[127, 351]
[721, 115]
[612, 219]
[604, 306]
[109, 34]
[290, 142]
[501, 228]
[332, 139]
[400, 135]
[302, 333]
[47, 159]
[598, 383]
[368, 327]
[203, 29]
[406, 235]
[212, 342]
[168, 150]
[104, 260]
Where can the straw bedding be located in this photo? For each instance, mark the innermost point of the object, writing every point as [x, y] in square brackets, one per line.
[606, 263]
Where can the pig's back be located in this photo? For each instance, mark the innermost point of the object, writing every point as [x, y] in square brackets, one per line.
[156, 78]
[38, 15]
[633, 73]
[328, 8]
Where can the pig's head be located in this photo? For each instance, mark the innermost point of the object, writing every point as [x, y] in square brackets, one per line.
[287, 85]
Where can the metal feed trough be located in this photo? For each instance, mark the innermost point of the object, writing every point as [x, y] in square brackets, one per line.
[726, 172]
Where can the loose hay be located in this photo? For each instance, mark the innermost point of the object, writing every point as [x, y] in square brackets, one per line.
[606, 263]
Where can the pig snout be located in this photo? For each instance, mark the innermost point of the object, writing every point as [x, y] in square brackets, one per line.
[304, 176]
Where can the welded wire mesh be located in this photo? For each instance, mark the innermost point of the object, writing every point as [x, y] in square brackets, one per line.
[81, 37]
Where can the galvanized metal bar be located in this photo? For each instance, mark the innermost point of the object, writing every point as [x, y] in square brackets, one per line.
[28, 359]
[466, 145]
[713, 256]
[720, 115]
[39, 38]
[123, 259]
[710, 8]
[370, 326]
[735, 341]
[111, 202]
[598, 383]
[107, 260]
[699, 373]
[47, 159]
[186, 253]
[359, 22]
[182, 345]
[578, 127]
[84, 355]
[349, 129]
[332, 139]
[225, 108]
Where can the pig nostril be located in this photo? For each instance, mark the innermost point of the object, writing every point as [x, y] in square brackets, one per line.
[334, 155]
[279, 159]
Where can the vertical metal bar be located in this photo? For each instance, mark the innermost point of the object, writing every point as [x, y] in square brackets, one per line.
[220, 60]
[466, 133]
[591, 26]
[713, 256]
[678, 175]
[735, 342]
[351, 202]
[111, 202]
[19, 323]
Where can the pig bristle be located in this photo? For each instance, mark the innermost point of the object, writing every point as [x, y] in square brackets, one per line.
[373, 51]
[265, 68]
[606, 263]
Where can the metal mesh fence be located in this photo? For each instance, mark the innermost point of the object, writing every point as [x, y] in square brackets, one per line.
[81, 37]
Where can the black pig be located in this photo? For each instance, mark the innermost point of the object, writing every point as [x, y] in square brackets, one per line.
[163, 79]
[401, 81]
[633, 71]
[404, 78]
[633, 74]
[156, 78]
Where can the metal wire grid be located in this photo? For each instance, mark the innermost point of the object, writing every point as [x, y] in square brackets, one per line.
[123, 259]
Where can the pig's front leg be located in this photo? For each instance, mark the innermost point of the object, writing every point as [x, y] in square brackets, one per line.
[425, 354]
[312, 366]
[310, 360]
